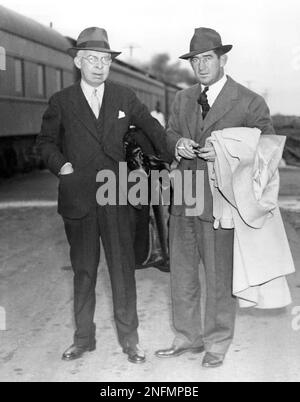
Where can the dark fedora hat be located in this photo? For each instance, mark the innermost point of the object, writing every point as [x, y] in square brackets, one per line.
[204, 40]
[93, 39]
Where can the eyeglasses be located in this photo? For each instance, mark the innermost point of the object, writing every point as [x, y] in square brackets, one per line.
[94, 60]
[205, 60]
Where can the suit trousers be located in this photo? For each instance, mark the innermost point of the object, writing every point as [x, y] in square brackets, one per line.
[193, 240]
[115, 225]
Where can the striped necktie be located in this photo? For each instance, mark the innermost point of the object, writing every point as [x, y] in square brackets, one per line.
[95, 103]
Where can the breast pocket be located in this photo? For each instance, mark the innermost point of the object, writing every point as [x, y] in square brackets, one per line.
[122, 123]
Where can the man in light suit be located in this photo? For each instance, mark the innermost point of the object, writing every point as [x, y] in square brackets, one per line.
[82, 134]
[216, 103]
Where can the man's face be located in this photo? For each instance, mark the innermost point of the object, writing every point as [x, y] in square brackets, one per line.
[208, 67]
[94, 66]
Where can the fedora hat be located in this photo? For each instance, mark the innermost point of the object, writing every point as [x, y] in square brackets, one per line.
[93, 39]
[204, 40]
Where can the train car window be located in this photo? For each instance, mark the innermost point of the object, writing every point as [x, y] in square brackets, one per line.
[2, 58]
[19, 77]
[59, 80]
[41, 77]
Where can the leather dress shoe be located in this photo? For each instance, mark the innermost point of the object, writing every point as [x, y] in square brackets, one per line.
[175, 351]
[75, 352]
[135, 354]
[212, 360]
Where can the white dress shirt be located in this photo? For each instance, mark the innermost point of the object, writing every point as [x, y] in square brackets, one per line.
[215, 89]
[88, 92]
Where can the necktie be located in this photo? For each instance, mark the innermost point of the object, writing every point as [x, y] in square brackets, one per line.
[95, 104]
[203, 101]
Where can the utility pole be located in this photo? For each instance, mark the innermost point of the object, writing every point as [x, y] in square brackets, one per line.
[131, 48]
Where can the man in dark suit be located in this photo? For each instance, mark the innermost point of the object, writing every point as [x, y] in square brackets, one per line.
[82, 134]
[216, 103]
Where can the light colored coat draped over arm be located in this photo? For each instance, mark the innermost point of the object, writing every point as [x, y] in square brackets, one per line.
[245, 184]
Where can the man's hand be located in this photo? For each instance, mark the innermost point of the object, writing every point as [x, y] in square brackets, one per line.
[208, 153]
[185, 148]
[66, 169]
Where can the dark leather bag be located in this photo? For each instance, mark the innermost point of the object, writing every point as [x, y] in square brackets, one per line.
[140, 153]
[151, 237]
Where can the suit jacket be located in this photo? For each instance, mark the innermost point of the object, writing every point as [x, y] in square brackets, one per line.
[69, 134]
[236, 106]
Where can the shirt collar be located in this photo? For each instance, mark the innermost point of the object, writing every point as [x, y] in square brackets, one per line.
[88, 89]
[215, 89]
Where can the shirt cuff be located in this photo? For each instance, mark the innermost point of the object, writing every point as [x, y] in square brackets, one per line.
[177, 156]
[66, 164]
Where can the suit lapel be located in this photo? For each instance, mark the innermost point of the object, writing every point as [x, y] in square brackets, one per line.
[82, 112]
[111, 107]
[224, 102]
[192, 109]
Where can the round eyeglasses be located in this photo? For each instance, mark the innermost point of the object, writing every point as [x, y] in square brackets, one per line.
[94, 60]
[196, 60]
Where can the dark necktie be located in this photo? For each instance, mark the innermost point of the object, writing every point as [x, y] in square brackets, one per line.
[203, 101]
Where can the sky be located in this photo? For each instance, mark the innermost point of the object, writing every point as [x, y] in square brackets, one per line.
[265, 35]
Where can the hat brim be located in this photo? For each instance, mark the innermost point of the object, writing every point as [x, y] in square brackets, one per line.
[225, 48]
[74, 50]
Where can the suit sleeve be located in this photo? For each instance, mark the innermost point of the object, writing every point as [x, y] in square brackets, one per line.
[259, 116]
[141, 118]
[49, 139]
[173, 131]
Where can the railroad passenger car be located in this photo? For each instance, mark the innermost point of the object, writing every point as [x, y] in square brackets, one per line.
[37, 66]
